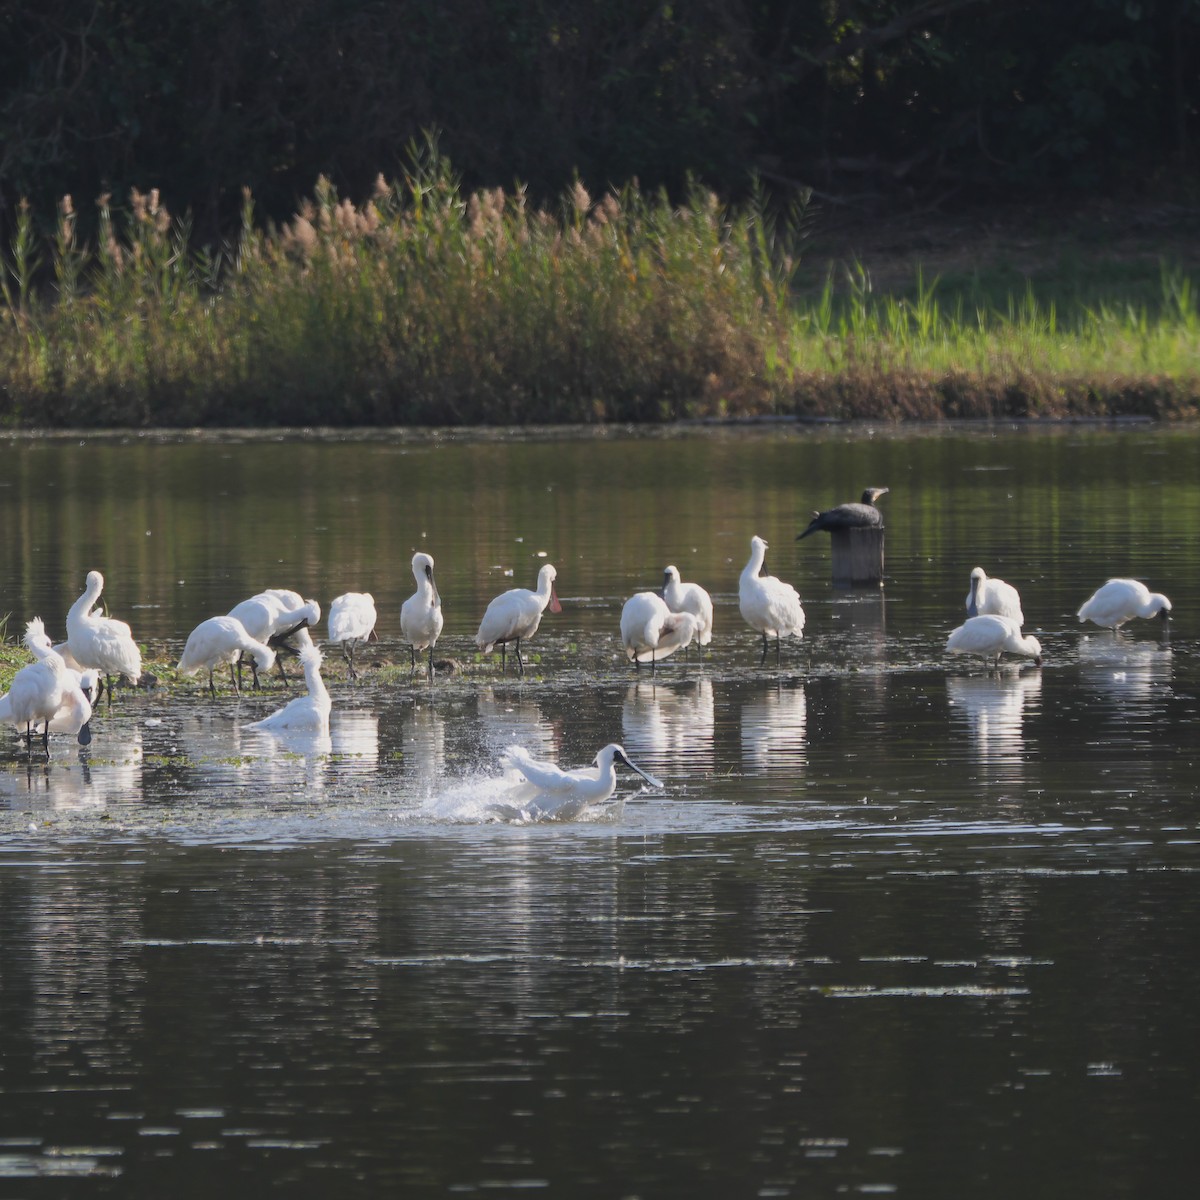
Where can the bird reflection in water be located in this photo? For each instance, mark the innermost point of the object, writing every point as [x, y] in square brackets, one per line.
[1125, 669]
[90, 781]
[506, 720]
[355, 737]
[423, 741]
[671, 727]
[775, 729]
[994, 708]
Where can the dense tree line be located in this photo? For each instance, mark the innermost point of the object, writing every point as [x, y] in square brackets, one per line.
[900, 100]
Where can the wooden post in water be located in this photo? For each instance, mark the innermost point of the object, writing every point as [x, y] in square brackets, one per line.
[857, 557]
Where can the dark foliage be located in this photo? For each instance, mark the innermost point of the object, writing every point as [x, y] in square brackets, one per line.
[917, 100]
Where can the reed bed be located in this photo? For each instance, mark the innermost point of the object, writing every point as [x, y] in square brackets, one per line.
[428, 305]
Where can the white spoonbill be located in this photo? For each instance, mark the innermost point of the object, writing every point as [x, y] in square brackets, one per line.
[352, 619]
[993, 597]
[421, 614]
[66, 720]
[650, 631]
[516, 614]
[221, 640]
[280, 618]
[101, 642]
[691, 598]
[46, 691]
[1120, 600]
[308, 714]
[545, 790]
[768, 604]
[991, 636]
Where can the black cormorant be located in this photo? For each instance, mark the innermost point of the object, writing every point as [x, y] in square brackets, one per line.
[849, 516]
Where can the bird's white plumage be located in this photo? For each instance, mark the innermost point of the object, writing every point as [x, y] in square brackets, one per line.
[352, 617]
[991, 636]
[46, 692]
[515, 615]
[1120, 600]
[70, 717]
[993, 597]
[767, 604]
[307, 714]
[421, 617]
[650, 631]
[544, 789]
[98, 641]
[220, 640]
[691, 598]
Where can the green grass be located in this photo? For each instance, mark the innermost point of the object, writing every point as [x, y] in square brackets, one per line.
[427, 305]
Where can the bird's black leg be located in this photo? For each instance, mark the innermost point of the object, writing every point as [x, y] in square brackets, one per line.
[241, 656]
[348, 655]
[212, 687]
[108, 686]
[233, 679]
[46, 739]
[430, 660]
[764, 653]
[778, 649]
[520, 660]
[503, 657]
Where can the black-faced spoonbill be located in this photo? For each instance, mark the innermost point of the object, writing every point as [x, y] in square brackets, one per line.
[516, 614]
[1120, 600]
[768, 605]
[993, 597]
[280, 618]
[45, 691]
[66, 720]
[421, 614]
[222, 640]
[650, 631]
[863, 515]
[101, 642]
[305, 714]
[352, 620]
[544, 789]
[691, 598]
[991, 636]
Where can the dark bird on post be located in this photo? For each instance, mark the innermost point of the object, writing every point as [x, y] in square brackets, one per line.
[848, 516]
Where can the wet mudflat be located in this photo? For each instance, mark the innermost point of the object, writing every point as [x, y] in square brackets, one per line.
[894, 924]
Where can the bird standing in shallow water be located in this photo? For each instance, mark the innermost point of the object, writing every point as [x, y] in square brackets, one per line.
[516, 614]
[650, 631]
[990, 636]
[767, 604]
[352, 620]
[45, 691]
[421, 614]
[691, 598]
[863, 515]
[221, 640]
[993, 597]
[1120, 600]
[101, 642]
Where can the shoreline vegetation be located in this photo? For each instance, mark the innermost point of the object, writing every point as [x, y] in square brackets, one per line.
[428, 306]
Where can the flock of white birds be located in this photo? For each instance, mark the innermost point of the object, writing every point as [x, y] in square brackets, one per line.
[57, 692]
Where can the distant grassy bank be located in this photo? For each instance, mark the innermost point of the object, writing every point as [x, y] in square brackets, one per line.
[426, 305]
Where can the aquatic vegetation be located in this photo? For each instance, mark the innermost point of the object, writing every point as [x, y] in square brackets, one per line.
[428, 305]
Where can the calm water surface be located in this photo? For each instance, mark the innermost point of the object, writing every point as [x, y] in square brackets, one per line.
[894, 925]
